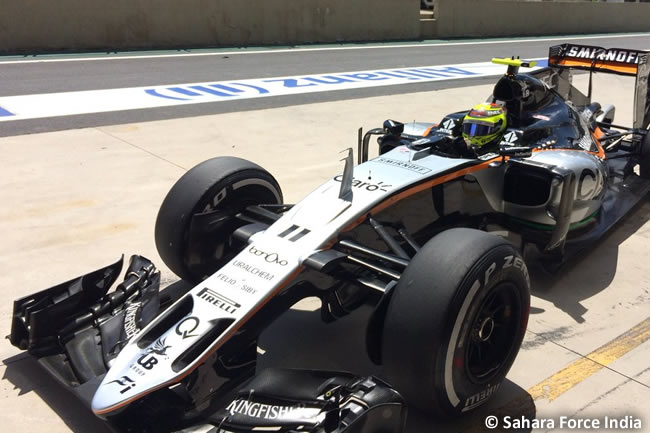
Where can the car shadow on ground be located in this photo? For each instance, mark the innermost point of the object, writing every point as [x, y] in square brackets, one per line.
[590, 272]
[26, 375]
[298, 339]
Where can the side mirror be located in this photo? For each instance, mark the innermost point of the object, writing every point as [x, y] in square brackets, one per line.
[393, 127]
[515, 151]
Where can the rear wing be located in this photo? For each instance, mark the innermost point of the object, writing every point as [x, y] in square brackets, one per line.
[634, 63]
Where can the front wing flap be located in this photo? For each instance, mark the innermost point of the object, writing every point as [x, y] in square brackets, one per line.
[75, 329]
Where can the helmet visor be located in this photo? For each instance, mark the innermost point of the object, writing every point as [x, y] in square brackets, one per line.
[472, 129]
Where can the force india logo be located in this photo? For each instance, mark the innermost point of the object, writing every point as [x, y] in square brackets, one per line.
[266, 411]
[124, 382]
[595, 53]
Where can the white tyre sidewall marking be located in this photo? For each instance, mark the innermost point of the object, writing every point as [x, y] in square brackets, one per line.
[256, 181]
[460, 319]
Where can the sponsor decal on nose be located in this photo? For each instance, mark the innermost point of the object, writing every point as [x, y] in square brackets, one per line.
[219, 300]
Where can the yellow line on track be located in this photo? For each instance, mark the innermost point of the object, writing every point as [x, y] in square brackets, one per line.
[570, 376]
[565, 379]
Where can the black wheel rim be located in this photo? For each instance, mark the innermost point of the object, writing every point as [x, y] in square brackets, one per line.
[494, 332]
[209, 243]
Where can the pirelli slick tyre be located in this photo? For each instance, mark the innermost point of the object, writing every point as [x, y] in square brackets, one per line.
[197, 218]
[455, 321]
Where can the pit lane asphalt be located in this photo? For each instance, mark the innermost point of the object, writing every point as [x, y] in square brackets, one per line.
[32, 76]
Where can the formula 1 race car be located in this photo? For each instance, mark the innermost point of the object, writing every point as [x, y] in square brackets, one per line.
[431, 233]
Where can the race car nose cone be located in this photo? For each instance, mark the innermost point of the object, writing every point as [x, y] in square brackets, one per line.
[98, 405]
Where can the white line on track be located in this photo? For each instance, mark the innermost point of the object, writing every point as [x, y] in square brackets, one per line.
[105, 100]
[303, 50]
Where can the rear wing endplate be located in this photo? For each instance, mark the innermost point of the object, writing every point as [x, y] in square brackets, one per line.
[620, 61]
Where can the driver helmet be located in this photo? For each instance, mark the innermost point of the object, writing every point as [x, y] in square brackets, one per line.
[484, 124]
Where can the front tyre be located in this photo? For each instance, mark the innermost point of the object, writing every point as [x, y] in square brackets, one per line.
[456, 321]
[198, 216]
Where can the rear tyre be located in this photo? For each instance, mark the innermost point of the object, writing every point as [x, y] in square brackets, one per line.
[456, 321]
[197, 218]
